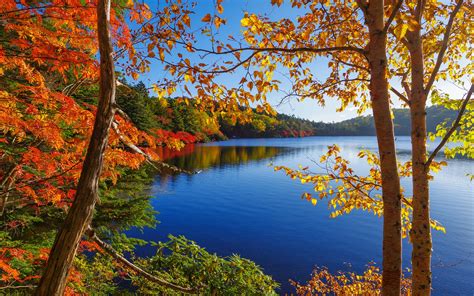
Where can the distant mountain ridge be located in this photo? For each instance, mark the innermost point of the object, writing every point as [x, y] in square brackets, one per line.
[264, 126]
[364, 125]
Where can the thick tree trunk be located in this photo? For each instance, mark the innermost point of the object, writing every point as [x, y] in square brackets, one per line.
[53, 281]
[392, 242]
[421, 232]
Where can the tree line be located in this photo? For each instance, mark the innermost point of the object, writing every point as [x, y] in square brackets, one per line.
[167, 114]
[58, 151]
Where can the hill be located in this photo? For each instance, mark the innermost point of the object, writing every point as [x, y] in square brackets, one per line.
[283, 125]
[364, 125]
[186, 124]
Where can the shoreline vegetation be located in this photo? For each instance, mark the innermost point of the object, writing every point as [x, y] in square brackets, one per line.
[172, 118]
[28, 232]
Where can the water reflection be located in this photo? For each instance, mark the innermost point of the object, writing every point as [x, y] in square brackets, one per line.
[198, 157]
[240, 205]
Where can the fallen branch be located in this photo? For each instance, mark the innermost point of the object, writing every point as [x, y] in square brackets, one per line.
[152, 278]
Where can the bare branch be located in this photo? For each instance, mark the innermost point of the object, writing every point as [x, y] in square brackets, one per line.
[453, 127]
[363, 5]
[156, 164]
[122, 113]
[444, 47]
[400, 95]
[420, 6]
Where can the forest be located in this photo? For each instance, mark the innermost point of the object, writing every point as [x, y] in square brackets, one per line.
[101, 100]
[169, 115]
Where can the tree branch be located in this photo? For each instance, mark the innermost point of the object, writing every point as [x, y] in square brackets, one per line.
[152, 278]
[453, 127]
[156, 164]
[444, 47]
[400, 95]
[41, 180]
[392, 15]
[305, 49]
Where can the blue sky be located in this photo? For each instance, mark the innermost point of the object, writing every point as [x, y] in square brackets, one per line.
[233, 13]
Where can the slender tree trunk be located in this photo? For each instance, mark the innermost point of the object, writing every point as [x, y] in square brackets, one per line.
[53, 281]
[421, 232]
[392, 242]
[5, 187]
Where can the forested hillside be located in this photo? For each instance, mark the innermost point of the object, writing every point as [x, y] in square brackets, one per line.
[364, 125]
[290, 126]
[172, 119]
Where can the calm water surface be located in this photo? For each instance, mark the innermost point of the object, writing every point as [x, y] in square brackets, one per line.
[238, 204]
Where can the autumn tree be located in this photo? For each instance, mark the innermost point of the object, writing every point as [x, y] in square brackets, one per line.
[47, 54]
[374, 48]
[53, 281]
[338, 34]
[424, 61]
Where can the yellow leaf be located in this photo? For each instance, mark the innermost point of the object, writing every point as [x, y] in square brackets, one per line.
[277, 2]
[341, 40]
[206, 18]
[401, 31]
[187, 20]
[245, 22]
[413, 24]
[162, 54]
[187, 77]
[218, 21]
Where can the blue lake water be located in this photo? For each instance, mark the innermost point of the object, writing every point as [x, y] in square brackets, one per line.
[238, 204]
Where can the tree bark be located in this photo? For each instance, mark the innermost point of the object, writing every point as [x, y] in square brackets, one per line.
[379, 92]
[420, 233]
[54, 279]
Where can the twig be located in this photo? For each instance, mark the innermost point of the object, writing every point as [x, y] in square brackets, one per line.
[453, 127]
[444, 47]
[392, 15]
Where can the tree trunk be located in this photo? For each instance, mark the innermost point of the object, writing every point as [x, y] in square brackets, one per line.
[392, 242]
[53, 281]
[420, 233]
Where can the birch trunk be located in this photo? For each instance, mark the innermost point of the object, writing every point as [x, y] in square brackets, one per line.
[392, 243]
[421, 232]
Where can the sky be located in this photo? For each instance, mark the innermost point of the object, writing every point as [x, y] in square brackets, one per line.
[233, 12]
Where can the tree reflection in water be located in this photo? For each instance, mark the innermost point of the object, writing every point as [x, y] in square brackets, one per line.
[198, 157]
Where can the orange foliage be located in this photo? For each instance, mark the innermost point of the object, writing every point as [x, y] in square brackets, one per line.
[49, 53]
[323, 282]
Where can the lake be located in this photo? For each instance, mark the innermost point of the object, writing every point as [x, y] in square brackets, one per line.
[238, 204]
